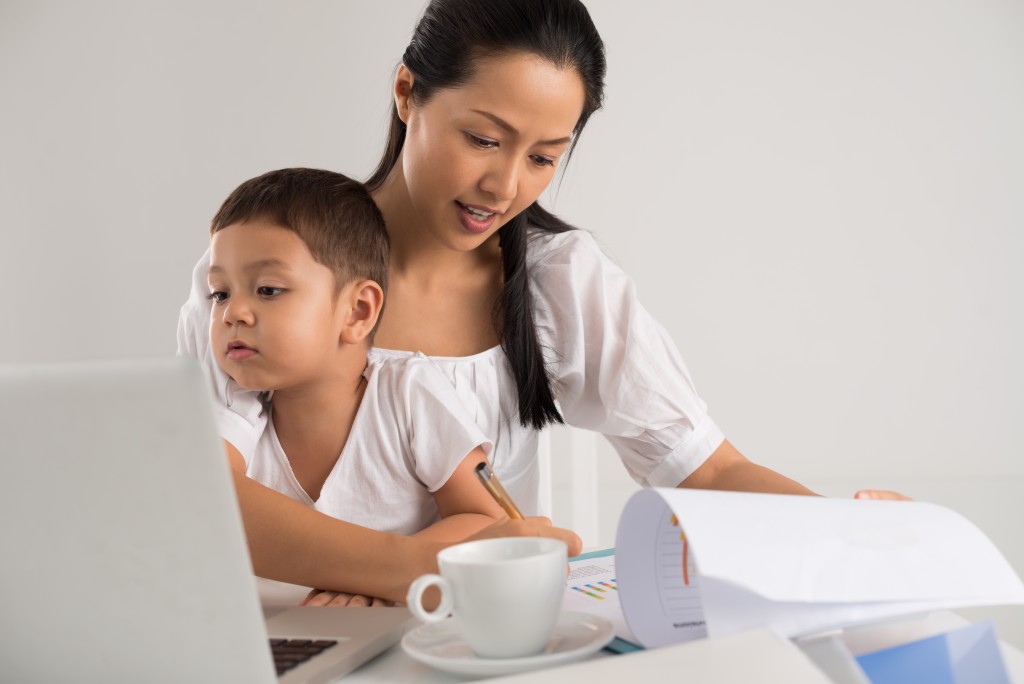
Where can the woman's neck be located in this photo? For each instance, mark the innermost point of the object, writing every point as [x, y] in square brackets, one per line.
[415, 253]
[440, 300]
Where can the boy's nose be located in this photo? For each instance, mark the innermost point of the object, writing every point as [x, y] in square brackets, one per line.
[237, 312]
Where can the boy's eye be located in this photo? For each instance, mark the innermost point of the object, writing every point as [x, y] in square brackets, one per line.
[218, 296]
[481, 142]
[266, 291]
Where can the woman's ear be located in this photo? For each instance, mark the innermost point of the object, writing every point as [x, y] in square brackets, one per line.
[403, 92]
[360, 305]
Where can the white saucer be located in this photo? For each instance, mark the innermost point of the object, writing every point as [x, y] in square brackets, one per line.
[439, 645]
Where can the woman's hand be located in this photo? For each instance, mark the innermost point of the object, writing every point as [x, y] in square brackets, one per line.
[533, 526]
[881, 495]
[322, 597]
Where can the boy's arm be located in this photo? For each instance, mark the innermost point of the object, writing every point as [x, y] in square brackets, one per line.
[464, 504]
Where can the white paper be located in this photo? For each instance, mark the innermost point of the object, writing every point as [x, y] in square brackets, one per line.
[796, 564]
[592, 587]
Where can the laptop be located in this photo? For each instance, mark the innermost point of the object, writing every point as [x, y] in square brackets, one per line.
[122, 552]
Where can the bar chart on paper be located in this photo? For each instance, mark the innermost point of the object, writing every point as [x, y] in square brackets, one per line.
[678, 582]
[597, 590]
[592, 587]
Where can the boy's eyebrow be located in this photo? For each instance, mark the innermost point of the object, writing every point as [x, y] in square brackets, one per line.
[254, 265]
[511, 129]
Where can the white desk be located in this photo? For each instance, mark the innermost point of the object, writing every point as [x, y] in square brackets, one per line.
[707, 660]
[742, 657]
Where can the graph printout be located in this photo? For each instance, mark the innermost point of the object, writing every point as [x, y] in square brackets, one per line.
[796, 564]
[677, 580]
[592, 587]
[659, 578]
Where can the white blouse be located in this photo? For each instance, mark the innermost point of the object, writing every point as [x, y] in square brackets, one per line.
[614, 370]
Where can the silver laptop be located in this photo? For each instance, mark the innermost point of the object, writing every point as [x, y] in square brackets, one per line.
[122, 553]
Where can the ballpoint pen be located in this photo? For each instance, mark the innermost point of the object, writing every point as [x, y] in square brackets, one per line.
[493, 486]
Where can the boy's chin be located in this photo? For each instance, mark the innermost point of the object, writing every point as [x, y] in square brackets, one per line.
[248, 384]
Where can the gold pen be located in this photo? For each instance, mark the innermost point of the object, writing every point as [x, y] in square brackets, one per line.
[493, 486]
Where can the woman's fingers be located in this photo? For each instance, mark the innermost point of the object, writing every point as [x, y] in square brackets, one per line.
[534, 526]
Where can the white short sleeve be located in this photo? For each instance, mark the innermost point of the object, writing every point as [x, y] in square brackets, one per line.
[440, 431]
[615, 368]
[239, 412]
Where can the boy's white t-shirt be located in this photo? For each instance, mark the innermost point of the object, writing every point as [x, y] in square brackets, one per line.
[409, 434]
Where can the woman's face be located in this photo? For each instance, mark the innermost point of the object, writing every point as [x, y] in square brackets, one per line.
[477, 155]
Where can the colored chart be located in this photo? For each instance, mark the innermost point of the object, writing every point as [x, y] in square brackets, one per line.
[597, 591]
[677, 577]
[687, 562]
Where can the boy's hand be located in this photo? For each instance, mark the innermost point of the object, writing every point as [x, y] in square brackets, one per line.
[322, 597]
[880, 495]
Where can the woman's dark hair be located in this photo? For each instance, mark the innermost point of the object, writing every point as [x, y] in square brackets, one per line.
[447, 41]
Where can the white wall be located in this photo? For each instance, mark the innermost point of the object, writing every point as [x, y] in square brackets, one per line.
[822, 202]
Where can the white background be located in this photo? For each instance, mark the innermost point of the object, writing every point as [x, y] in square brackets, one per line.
[821, 201]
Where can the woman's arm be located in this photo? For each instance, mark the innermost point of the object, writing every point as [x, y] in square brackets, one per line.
[293, 543]
[464, 504]
[727, 469]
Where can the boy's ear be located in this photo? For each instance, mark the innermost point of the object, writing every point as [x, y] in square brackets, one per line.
[403, 92]
[360, 305]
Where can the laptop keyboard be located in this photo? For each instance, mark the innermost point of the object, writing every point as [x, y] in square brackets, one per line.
[289, 653]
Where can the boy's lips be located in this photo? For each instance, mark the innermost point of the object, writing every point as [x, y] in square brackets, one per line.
[240, 351]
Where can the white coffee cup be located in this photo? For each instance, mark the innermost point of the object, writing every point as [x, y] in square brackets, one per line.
[504, 594]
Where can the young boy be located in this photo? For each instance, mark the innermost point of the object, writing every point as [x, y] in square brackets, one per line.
[298, 269]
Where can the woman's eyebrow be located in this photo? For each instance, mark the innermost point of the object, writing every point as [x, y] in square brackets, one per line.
[511, 129]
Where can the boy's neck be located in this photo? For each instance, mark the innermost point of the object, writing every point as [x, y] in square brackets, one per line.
[313, 423]
[309, 404]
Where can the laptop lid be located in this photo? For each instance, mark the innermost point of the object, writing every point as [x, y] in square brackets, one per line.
[124, 556]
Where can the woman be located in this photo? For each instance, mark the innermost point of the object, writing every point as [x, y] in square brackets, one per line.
[519, 309]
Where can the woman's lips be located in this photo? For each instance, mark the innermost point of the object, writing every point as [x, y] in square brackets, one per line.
[476, 219]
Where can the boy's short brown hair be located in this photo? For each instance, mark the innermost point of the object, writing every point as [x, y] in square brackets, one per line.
[333, 214]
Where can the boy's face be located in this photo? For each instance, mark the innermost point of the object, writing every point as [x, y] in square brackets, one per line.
[275, 322]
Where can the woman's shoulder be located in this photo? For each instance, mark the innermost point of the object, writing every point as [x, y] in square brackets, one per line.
[544, 247]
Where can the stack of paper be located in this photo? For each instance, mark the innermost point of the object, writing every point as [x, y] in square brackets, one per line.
[692, 563]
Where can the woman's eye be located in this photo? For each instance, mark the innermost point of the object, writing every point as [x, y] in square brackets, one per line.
[266, 291]
[481, 142]
[540, 160]
[217, 296]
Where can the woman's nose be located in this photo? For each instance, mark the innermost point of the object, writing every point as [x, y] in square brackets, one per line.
[502, 180]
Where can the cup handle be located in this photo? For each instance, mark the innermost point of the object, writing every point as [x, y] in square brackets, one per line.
[414, 599]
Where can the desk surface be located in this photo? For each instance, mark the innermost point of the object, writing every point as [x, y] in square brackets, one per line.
[707, 660]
